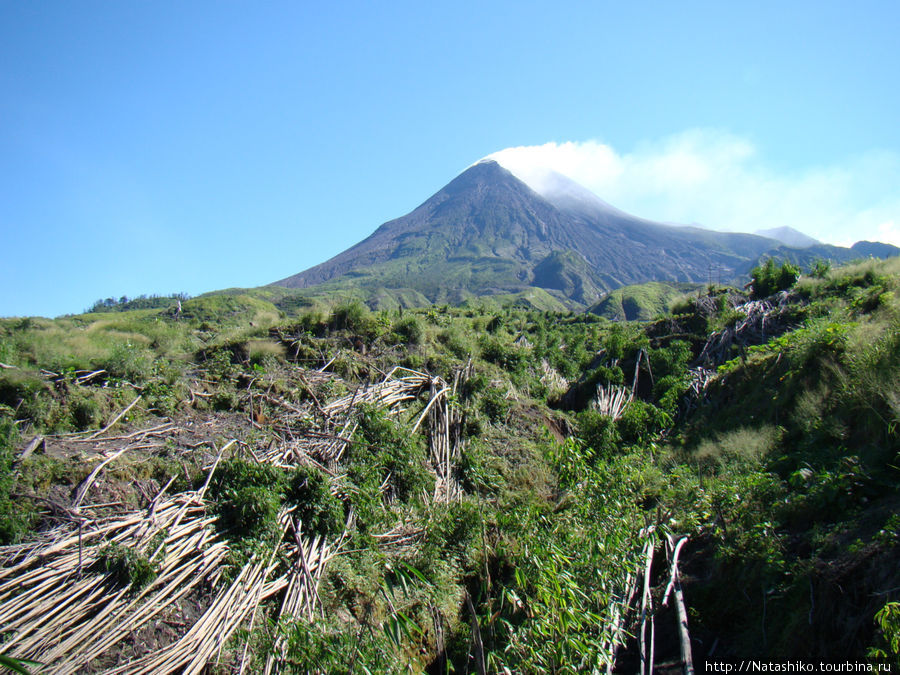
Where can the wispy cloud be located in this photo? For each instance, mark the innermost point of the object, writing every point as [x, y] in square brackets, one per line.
[721, 181]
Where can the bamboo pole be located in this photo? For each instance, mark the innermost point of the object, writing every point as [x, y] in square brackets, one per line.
[116, 419]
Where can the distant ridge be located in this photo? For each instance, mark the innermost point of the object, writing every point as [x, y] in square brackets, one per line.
[875, 249]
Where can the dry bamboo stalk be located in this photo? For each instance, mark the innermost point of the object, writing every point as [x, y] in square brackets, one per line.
[87, 482]
[101, 620]
[434, 399]
[675, 584]
[162, 427]
[476, 632]
[106, 611]
[188, 576]
[673, 568]
[646, 608]
[619, 612]
[684, 635]
[208, 634]
[202, 491]
[116, 419]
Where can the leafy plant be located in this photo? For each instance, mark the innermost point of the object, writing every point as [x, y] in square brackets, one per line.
[127, 566]
[318, 509]
[769, 278]
[888, 621]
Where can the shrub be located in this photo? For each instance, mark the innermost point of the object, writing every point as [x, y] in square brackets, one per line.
[161, 397]
[495, 405]
[251, 512]
[410, 330]
[248, 496]
[351, 315]
[820, 269]
[127, 566]
[383, 454]
[225, 400]
[130, 362]
[670, 360]
[456, 342]
[641, 421]
[509, 357]
[768, 278]
[887, 619]
[29, 395]
[13, 523]
[452, 532]
[599, 432]
[86, 410]
[319, 510]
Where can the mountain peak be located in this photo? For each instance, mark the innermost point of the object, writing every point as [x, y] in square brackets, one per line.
[789, 236]
[490, 232]
[557, 188]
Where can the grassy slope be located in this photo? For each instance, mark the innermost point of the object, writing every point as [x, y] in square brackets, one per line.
[641, 302]
[784, 476]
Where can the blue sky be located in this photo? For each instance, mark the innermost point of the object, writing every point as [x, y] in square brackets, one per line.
[159, 147]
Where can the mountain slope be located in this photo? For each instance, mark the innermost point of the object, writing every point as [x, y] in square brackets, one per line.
[487, 232]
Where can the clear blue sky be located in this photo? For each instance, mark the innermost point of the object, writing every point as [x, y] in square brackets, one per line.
[158, 147]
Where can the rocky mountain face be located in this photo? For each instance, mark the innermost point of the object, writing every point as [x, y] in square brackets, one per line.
[487, 232]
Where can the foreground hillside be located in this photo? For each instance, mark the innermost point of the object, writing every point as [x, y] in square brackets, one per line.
[456, 489]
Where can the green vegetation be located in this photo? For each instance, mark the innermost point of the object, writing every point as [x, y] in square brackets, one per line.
[126, 566]
[769, 278]
[641, 302]
[125, 304]
[776, 455]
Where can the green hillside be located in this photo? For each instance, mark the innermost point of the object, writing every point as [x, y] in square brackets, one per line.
[474, 488]
[641, 302]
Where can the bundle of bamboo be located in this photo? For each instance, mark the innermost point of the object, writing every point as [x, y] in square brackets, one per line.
[62, 606]
[762, 320]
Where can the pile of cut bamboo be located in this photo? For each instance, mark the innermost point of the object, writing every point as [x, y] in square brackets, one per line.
[762, 320]
[60, 607]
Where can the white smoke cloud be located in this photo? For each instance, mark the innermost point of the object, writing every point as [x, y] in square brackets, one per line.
[720, 181]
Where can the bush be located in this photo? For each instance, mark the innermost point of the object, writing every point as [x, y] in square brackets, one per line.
[251, 512]
[130, 362]
[248, 496]
[127, 566]
[30, 396]
[495, 405]
[352, 316]
[410, 330]
[509, 357]
[452, 533]
[671, 360]
[383, 451]
[86, 409]
[456, 342]
[599, 432]
[641, 421]
[320, 511]
[13, 523]
[769, 279]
